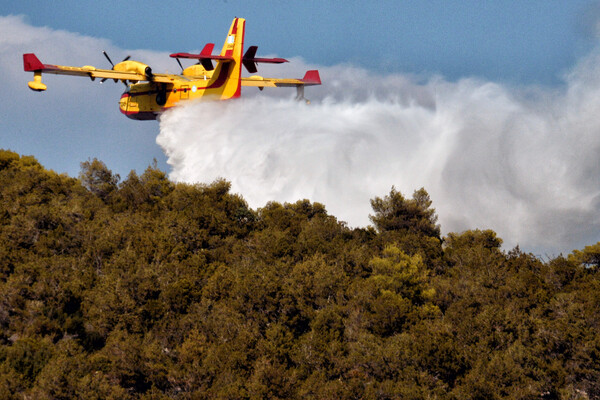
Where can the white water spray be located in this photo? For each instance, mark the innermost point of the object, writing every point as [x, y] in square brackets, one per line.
[523, 162]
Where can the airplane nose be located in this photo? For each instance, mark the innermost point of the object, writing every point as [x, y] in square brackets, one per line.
[123, 102]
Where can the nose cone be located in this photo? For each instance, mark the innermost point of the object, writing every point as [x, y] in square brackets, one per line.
[124, 102]
[130, 109]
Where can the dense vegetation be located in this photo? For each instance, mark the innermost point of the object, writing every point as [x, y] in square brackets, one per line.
[145, 288]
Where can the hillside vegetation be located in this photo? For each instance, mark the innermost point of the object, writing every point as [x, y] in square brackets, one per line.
[145, 288]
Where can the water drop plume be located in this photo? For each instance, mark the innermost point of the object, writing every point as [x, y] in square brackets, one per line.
[522, 161]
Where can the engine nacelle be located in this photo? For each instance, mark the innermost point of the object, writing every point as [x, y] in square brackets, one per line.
[197, 70]
[134, 66]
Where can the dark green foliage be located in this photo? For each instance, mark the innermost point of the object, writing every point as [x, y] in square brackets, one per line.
[98, 179]
[149, 289]
[408, 223]
[589, 256]
[395, 213]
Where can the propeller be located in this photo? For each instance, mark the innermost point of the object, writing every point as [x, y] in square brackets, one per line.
[113, 65]
[108, 58]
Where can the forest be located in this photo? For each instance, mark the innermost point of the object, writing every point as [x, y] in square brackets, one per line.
[143, 288]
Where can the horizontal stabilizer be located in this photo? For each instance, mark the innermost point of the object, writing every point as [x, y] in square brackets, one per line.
[201, 57]
[250, 60]
[204, 57]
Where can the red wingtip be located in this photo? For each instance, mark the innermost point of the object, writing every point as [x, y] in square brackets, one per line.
[312, 77]
[32, 63]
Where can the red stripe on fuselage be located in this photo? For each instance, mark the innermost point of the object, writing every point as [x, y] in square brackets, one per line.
[221, 79]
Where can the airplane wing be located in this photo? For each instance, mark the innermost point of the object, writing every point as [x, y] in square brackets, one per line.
[135, 73]
[310, 78]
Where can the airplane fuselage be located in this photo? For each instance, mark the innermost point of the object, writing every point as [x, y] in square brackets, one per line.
[147, 100]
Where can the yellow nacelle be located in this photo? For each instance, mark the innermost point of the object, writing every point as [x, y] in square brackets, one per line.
[134, 66]
[197, 70]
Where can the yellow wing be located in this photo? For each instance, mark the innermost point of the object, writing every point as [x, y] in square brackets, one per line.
[132, 71]
[310, 78]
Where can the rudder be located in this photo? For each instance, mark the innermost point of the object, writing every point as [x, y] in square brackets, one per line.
[234, 47]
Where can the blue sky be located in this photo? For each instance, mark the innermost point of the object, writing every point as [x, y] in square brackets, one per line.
[531, 41]
[454, 89]
[519, 43]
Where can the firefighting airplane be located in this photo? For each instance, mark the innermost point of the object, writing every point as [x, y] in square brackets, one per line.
[149, 94]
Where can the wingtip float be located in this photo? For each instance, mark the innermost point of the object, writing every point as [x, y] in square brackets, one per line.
[148, 94]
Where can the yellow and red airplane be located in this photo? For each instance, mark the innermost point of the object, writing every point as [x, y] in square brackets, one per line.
[149, 94]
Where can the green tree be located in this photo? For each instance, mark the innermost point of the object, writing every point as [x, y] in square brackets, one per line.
[98, 179]
[409, 224]
[589, 256]
[397, 294]
[151, 289]
[396, 213]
